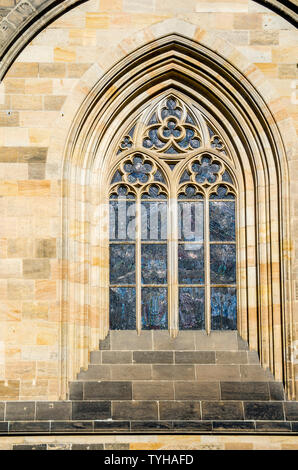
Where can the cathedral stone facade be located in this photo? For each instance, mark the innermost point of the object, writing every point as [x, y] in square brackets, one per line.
[149, 218]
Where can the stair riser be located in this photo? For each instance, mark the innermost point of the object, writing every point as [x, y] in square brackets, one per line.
[173, 357]
[200, 372]
[170, 390]
[161, 341]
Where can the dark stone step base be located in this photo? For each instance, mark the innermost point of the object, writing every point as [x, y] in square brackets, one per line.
[175, 390]
[149, 427]
[149, 410]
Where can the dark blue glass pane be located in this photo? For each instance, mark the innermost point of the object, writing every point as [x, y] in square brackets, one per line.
[171, 150]
[191, 308]
[191, 221]
[222, 221]
[117, 177]
[158, 176]
[153, 140]
[189, 140]
[191, 264]
[222, 193]
[184, 177]
[154, 264]
[122, 220]
[154, 308]
[223, 264]
[171, 109]
[227, 177]
[154, 192]
[154, 220]
[223, 308]
[190, 192]
[122, 308]
[122, 264]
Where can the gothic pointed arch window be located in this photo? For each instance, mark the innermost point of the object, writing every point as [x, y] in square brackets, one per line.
[172, 242]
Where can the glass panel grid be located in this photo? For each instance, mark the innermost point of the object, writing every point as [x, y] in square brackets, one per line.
[206, 251]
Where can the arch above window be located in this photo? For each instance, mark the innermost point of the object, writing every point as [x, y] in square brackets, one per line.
[233, 125]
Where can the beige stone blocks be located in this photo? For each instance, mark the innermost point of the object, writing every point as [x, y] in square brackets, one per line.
[14, 85]
[263, 38]
[34, 188]
[64, 54]
[250, 21]
[45, 290]
[20, 247]
[26, 102]
[9, 118]
[97, 20]
[52, 70]
[19, 289]
[23, 70]
[35, 310]
[54, 103]
[45, 248]
[22, 154]
[9, 389]
[36, 269]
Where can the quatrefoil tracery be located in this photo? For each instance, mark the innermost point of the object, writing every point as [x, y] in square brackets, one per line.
[138, 172]
[206, 174]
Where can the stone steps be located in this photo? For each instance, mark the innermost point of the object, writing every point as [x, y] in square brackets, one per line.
[155, 379]
[187, 371]
[175, 390]
[174, 357]
[160, 340]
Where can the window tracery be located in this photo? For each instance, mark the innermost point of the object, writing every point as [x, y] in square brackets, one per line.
[172, 226]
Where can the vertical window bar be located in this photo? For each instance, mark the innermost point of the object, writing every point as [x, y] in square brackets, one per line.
[173, 292]
[207, 268]
[138, 266]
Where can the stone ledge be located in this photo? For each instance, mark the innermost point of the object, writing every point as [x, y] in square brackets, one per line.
[117, 415]
[93, 427]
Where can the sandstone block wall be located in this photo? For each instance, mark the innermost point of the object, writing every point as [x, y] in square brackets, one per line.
[32, 98]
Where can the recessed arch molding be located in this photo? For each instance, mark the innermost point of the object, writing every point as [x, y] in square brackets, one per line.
[178, 63]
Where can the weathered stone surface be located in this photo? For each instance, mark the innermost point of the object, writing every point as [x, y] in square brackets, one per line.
[86, 410]
[153, 357]
[244, 391]
[116, 357]
[291, 410]
[56, 411]
[173, 372]
[17, 411]
[76, 391]
[263, 411]
[135, 410]
[36, 269]
[195, 357]
[72, 426]
[180, 410]
[29, 426]
[197, 390]
[222, 410]
[45, 248]
[107, 390]
[153, 390]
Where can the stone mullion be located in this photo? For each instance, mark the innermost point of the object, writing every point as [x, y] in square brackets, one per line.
[207, 266]
[138, 248]
[173, 289]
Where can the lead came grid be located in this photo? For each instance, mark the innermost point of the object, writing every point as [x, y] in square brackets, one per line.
[178, 272]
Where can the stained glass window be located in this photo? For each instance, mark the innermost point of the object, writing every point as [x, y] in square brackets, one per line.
[172, 227]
